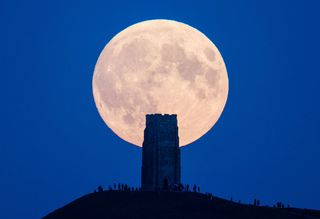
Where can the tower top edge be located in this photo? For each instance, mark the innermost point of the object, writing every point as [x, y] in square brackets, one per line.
[161, 115]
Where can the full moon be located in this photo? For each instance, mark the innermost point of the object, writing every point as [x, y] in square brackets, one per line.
[160, 66]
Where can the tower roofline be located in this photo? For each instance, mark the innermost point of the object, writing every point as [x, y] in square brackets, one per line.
[159, 114]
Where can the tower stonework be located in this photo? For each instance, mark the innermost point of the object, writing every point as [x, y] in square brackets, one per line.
[160, 153]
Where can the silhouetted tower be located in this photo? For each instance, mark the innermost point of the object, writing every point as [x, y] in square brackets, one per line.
[160, 153]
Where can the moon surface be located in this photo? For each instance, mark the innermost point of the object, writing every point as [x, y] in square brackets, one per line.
[160, 66]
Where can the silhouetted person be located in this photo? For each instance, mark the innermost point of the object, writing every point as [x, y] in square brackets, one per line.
[199, 189]
[194, 188]
[258, 203]
[119, 186]
[100, 189]
[187, 187]
[165, 184]
[255, 202]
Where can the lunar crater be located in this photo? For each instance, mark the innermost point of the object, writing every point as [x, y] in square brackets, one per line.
[210, 54]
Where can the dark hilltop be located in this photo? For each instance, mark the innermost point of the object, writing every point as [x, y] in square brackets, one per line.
[169, 205]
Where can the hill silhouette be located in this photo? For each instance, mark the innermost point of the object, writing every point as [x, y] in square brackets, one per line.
[169, 205]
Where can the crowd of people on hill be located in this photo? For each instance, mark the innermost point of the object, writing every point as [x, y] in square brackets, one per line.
[118, 187]
[182, 188]
[176, 188]
[256, 203]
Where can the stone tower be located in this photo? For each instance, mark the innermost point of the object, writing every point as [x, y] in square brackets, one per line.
[160, 153]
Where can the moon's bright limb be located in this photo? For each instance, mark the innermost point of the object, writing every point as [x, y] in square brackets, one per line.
[160, 66]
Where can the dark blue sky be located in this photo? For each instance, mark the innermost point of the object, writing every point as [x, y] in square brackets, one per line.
[54, 147]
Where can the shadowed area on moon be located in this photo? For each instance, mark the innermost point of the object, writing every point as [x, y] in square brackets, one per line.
[160, 66]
